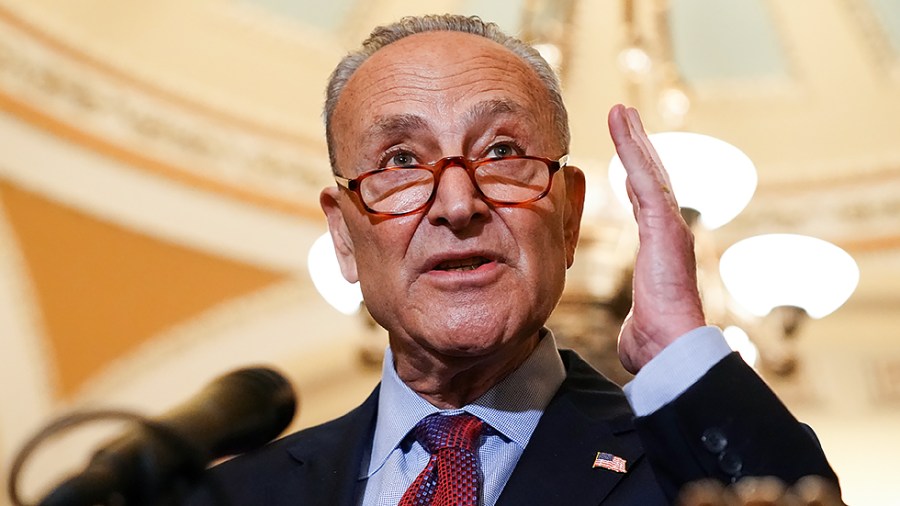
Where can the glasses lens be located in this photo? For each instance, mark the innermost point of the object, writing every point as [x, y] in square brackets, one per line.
[397, 190]
[513, 180]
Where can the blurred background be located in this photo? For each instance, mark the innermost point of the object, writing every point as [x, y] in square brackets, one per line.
[160, 164]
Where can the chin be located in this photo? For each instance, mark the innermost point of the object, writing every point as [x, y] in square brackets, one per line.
[478, 338]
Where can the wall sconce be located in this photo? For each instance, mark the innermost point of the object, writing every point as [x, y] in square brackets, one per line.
[326, 276]
[772, 271]
[782, 280]
[788, 270]
[708, 175]
[779, 280]
[740, 342]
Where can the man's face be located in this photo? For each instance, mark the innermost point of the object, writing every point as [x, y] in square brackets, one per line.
[463, 277]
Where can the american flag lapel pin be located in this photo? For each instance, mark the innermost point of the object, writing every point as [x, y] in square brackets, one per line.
[610, 461]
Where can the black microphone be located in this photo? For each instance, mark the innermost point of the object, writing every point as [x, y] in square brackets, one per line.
[164, 457]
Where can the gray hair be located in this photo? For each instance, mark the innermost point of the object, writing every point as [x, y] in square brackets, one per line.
[411, 25]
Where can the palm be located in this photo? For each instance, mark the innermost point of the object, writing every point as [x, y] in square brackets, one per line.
[666, 302]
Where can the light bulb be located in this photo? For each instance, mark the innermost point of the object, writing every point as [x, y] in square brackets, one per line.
[327, 278]
[768, 271]
[708, 175]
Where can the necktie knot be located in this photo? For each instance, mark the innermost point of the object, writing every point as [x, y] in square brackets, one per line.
[436, 432]
[452, 476]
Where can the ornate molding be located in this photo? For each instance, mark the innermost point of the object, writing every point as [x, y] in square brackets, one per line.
[78, 101]
[859, 214]
[874, 33]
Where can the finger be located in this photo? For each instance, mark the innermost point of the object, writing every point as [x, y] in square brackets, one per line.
[704, 493]
[816, 491]
[656, 169]
[762, 491]
[641, 136]
[635, 204]
[649, 183]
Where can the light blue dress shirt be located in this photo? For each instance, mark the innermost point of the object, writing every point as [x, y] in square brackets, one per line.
[512, 408]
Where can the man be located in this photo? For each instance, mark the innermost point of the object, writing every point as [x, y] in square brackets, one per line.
[457, 213]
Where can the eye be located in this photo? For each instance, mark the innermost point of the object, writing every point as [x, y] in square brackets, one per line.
[399, 159]
[502, 150]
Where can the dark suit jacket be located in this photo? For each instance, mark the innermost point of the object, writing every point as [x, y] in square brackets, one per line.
[727, 425]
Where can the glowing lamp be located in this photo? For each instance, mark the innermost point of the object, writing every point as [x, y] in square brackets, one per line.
[327, 278]
[740, 342]
[708, 175]
[786, 270]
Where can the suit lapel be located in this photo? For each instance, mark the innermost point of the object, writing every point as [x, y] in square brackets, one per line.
[588, 415]
[330, 456]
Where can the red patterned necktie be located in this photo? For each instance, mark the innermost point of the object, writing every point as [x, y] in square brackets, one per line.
[452, 476]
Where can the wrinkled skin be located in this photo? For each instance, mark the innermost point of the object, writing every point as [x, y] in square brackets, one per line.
[666, 301]
[464, 286]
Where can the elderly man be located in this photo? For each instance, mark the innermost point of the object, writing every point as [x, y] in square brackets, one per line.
[456, 211]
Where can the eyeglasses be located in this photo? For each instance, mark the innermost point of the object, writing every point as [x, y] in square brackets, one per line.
[505, 181]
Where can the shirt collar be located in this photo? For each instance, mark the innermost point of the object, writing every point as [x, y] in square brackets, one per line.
[512, 407]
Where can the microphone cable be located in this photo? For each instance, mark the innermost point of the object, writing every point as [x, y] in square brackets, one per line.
[73, 420]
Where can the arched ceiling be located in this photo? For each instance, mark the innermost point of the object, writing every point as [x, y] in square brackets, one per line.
[160, 164]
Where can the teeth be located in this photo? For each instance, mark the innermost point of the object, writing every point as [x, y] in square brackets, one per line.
[466, 264]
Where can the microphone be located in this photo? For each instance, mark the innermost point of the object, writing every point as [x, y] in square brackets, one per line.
[163, 457]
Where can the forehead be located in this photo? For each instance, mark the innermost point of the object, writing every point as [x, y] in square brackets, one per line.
[441, 80]
[430, 61]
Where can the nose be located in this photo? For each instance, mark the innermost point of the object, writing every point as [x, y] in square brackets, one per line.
[457, 203]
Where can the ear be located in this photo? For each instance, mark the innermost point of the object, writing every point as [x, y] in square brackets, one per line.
[575, 187]
[329, 199]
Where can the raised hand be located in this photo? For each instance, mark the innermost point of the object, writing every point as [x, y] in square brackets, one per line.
[761, 491]
[666, 301]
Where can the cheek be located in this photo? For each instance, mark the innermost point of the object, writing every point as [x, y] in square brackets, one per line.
[540, 240]
[540, 268]
[385, 244]
[547, 261]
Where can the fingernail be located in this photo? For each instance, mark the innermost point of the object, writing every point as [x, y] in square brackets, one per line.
[624, 111]
[635, 118]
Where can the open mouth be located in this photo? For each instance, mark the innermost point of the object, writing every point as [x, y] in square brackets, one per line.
[462, 264]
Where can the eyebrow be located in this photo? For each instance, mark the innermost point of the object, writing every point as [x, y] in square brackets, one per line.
[397, 125]
[400, 125]
[490, 108]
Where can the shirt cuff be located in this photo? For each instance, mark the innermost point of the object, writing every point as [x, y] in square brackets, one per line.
[675, 369]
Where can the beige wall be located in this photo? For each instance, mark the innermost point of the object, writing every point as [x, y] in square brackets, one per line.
[159, 170]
